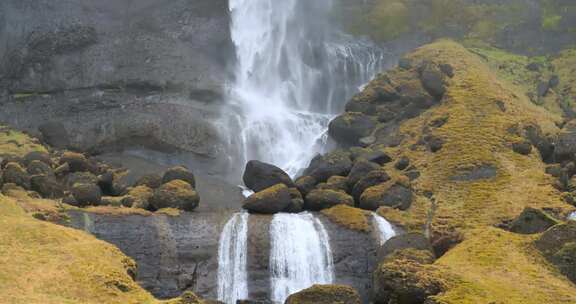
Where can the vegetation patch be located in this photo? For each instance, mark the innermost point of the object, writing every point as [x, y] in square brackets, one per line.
[349, 217]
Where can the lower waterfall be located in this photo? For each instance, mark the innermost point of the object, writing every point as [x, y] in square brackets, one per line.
[300, 254]
[384, 228]
[232, 260]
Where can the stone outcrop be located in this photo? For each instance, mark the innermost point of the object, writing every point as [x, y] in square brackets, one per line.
[325, 294]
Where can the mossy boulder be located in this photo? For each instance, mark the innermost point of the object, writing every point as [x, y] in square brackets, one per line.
[394, 195]
[349, 217]
[405, 281]
[138, 197]
[413, 240]
[337, 183]
[41, 156]
[373, 178]
[532, 221]
[296, 201]
[259, 176]
[305, 184]
[179, 173]
[322, 167]
[177, 194]
[350, 127]
[152, 180]
[566, 143]
[36, 167]
[77, 162]
[360, 169]
[433, 79]
[80, 178]
[325, 294]
[14, 173]
[319, 199]
[269, 201]
[47, 186]
[86, 194]
[558, 244]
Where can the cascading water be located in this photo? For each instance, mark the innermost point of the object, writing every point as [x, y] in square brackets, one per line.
[232, 260]
[384, 228]
[300, 254]
[294, 72]
[572, 216]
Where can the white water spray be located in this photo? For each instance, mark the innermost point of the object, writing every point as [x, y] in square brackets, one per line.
[232, 260]
[294, 72]
[384, 228]
[300, 254]
[572, 216]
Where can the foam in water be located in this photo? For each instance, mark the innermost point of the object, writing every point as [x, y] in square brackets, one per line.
[232, 260]
[300, 254]
[384, 228]
[572, 216]
[294, 72]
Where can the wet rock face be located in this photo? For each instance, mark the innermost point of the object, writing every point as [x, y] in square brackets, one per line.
[111, 75]
[175, 254]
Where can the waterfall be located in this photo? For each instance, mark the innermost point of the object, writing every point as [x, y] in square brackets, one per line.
[294, 72]
[300, 254]
[572, 216]
[384, 228]
[232, 250]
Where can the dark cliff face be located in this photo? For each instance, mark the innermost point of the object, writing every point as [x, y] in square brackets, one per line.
[175, 254]
[117, 74]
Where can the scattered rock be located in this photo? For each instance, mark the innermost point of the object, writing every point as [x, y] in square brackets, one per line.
[350, 127]
[80, 178]
[523, 148]
[337, 183]
[76, 162]
[402, 163]
[566, 143]
[37, 167]
[259, 176]
[554, 81]
[532, 221]
[177, 194]
[379, 157]
[325, 294]
[433, 80]
[371, 179]
[331, 164]
[390, 195]
[179, 173]
[475, 173]
[269, 201]
[152, 181]
[542, 88]
[360, 169]
[41, 156]
[305, 184]
[319, 199]
[47, 186]
[13, 173]
[138, 197]
[558, 244]
[86, 194]
[434, 143]
[296, 202]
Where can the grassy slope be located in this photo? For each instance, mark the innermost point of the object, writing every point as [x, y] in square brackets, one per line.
[491, 265]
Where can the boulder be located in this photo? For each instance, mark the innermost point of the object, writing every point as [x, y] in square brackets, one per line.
[523, 148]
[337, 183]
[334, 163]
[179, 173]
[177, 194]
[37, 167]
[259, 176]
[47, 186]
[350, 127]
[138, 197]
[558, 245]
[55, 134]
[325, 294]
[41, 156]
[566, 143]
[14, 174]
[371, 179]
[269, 201]
[80, 178]
[152, 181]
[76, 162]
[405, 282]
[305, 184]
[413, 240]
[319, 199]
[379, 157]
[434, 143]
[395, 195]
[115, 201]
[402, 163]
[86, 194]
[433, 80]
[360, 169]
[532, 221]
[296, 202]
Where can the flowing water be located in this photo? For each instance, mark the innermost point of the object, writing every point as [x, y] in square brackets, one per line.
[232, 260]
[300, 254]
[384, 228]
[295, 70]
[572, 216]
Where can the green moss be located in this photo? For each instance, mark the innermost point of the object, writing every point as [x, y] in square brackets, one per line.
[349, 217]
[14, 143]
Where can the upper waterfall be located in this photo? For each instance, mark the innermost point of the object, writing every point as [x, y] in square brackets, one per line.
[294, 71]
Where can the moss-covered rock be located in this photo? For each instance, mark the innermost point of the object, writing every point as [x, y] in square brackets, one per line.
[319, 199]
[269, 201]
[179, 173]
[138, 197]
[177, 194]
[322, 167]
[532, 221]
[14, 173]
[395, 195]
[558, 245]
[325, 294]
[349, 217]
[76, 162]
[259, 176]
